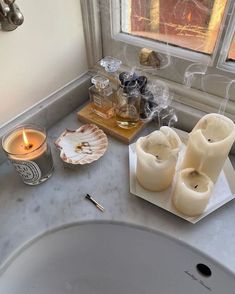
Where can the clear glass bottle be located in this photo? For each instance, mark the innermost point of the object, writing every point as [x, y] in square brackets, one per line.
[111, 65]
[128, 106]
[101, 97]
[126, 77]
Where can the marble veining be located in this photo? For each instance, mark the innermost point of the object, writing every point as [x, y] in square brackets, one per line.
[26, 212]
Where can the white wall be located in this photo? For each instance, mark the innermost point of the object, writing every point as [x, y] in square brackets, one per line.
[42, 55]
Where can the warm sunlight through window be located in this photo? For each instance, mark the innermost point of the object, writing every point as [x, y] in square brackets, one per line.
[191, 24]
[231, 54]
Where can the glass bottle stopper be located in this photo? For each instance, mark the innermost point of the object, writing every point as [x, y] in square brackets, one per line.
[100, 82]
[110, 64]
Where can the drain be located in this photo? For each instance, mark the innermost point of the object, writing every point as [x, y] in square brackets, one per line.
[204, 270]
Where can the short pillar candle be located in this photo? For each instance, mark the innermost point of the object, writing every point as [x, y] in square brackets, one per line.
[157, 155]
[192, 192]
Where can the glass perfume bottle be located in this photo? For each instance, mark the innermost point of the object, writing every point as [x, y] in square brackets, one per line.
[128, 105]
[111, 65]
[126, 77]
[101, 97]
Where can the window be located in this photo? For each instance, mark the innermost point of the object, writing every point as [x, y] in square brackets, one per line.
[187, 29]
[182, 30]
[193, 24]
[190, 36]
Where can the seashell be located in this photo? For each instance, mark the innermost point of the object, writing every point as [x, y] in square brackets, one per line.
[85, 145]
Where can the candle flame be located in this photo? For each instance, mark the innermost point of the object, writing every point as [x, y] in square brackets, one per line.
[189, 16]
[27, 145]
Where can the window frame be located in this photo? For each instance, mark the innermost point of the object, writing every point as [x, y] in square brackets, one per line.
[223, 63]
[187, 101]
[161, 47]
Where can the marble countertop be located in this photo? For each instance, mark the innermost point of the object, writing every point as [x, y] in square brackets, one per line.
[26, 212]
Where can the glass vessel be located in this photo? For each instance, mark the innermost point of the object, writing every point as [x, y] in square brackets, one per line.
[128, 105]
[126, 77]
[111, 65]
[102, 97]
[27, 148]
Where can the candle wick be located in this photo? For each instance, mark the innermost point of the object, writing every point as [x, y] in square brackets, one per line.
[28, 146]
[195, 187]
[209, 140]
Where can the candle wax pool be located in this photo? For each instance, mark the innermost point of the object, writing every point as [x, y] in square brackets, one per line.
[15, 145]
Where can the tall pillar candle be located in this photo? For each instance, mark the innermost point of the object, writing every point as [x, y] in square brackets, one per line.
[157, 155]
[26, 147]
[192, 192]
[209, 144]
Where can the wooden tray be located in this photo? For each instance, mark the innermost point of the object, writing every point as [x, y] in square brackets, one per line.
[87, 115]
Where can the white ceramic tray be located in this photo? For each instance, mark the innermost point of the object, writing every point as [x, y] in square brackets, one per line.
[224, 190]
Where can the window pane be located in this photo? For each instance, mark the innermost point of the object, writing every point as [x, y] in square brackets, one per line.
[191, 24]
[231, 54]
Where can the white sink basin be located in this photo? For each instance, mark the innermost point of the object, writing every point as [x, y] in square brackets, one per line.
[107, 258]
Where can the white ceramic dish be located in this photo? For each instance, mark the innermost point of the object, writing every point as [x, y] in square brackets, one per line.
[224, 190]
[82, 146]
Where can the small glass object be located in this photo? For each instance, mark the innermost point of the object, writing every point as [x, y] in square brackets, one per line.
[27, 148]
[101, 96]
[128, 105]
[126, 77]
[111, 65]
[147, 105]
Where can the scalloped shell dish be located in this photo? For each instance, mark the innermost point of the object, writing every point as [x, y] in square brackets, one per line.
[85, 145]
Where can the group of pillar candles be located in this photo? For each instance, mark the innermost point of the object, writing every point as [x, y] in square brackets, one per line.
[207, 148]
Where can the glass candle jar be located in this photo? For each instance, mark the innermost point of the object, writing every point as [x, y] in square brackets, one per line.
[27, 148]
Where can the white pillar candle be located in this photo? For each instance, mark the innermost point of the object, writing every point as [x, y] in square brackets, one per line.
[157, 155]
[192, 192]
[209, 144]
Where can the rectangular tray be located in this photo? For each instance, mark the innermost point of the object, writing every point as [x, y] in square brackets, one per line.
[110, 127]
[223, 192]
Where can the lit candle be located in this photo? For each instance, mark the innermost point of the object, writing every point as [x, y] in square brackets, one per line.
[156, 159]
[27, 149]
[209, 144]
[192, 192]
